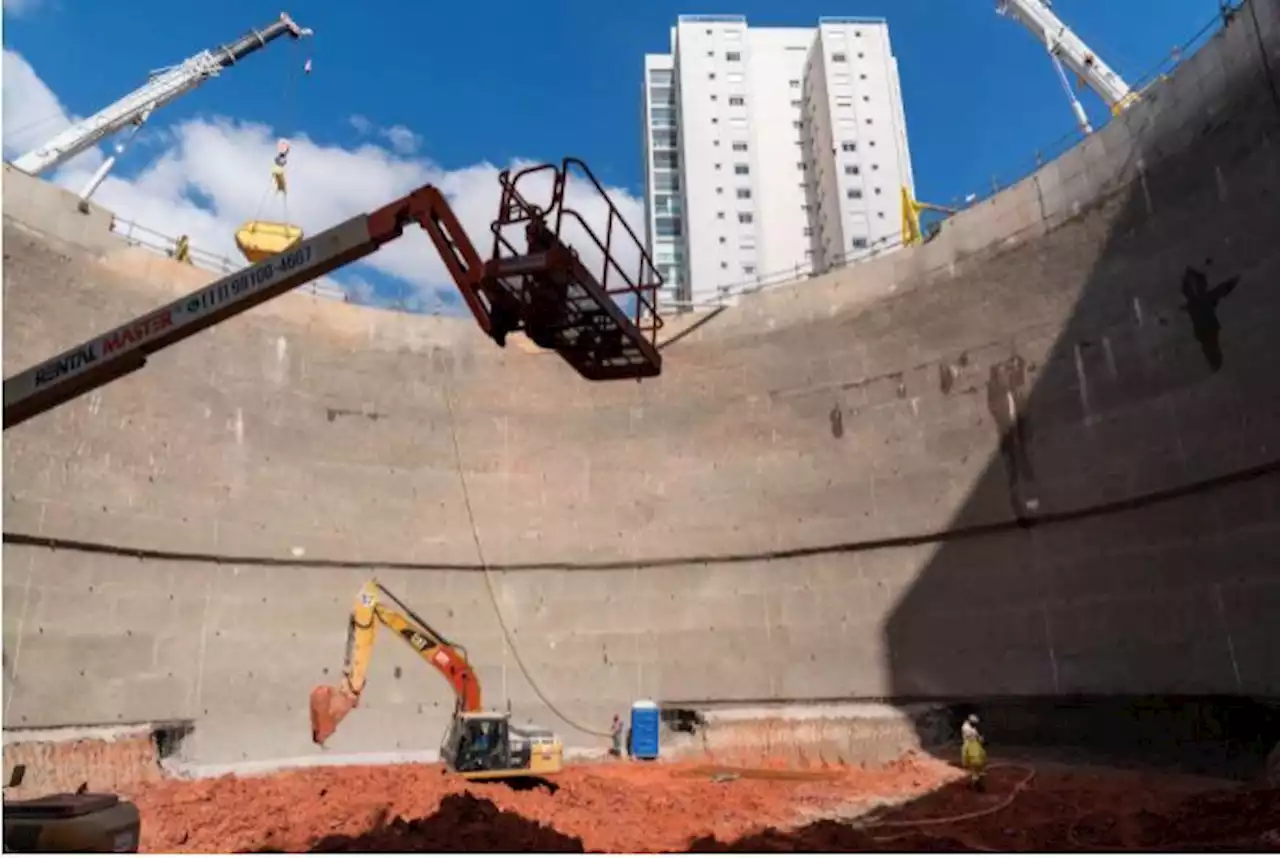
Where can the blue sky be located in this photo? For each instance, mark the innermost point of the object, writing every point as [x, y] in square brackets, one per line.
[505, 79]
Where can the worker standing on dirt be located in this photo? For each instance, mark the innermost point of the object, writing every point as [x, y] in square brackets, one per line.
[973, 756]
[615, 731]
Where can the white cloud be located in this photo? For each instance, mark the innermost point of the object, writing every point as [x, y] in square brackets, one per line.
[33, 113]
[209, 174]
[402, 139]
[360, 123]
[22, 7]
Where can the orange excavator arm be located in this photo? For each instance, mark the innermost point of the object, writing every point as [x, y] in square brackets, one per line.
[330, 704]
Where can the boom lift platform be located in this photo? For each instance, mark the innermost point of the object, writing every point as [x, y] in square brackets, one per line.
[539, 285]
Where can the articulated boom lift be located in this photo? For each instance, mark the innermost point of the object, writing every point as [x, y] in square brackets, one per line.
[534, 282]
[136, 108]
[1065, 47]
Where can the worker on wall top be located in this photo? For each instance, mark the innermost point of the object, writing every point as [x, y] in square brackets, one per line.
[281, 161]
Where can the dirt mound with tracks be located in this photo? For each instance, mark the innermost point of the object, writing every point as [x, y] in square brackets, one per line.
[917, 804]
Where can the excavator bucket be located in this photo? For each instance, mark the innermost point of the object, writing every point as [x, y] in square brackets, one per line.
[328, 707]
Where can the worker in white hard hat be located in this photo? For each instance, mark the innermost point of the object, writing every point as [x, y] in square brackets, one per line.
[973, 756]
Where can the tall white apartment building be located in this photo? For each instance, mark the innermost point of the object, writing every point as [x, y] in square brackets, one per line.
[770, 150]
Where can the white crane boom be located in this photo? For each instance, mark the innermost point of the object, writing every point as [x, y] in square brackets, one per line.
[1066, 48]
[135, 108]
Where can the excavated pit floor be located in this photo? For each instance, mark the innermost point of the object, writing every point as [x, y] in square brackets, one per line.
[652, 807]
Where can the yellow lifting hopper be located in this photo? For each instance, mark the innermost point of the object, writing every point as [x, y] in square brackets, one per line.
[261, 239]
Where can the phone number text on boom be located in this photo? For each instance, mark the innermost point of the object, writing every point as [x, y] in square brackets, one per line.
[248, 281]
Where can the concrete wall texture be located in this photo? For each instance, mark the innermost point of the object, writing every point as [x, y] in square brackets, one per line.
[938, 474]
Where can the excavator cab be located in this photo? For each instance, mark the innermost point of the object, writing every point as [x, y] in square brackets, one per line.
[484, 745]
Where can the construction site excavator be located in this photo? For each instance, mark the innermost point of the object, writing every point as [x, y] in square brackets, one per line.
[479, 745]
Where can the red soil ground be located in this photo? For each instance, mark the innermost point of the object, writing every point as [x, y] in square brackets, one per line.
[655, 807]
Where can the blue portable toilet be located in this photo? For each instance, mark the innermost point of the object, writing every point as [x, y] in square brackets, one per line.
[645, 723]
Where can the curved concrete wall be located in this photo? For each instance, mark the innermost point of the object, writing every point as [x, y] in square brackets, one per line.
[889, 482]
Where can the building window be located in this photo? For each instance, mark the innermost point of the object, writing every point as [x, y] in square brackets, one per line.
[854, 193]
[861, 55]
[800, 166]
[719, 215]
[715, 97]
[795, 84]
[744, 193]
[875, 166]
[867, 99]
[719, 190]
[839, 58]
[868, 122]
[852, 170]
[748, 269]
[741, 169]
[736, 101]
[808, 233]
[723, 239]
[733, 56]
[880, 215]
[667, 227]
[859, 244]
[745, 217]
[666, 159]
[660, 77]
[724, 265]
[796, 124]
[877, 192]
[664, 139]
[711, 75]
[848, 146]
[739, 146]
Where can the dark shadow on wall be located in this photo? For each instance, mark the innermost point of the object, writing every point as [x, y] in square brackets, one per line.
[1166, 374]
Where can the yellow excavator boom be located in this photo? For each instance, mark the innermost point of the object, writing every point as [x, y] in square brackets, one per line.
[330, 704]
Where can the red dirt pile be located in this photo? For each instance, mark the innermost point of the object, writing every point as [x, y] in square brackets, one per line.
[659, 808]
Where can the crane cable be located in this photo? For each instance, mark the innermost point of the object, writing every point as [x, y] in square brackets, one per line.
[488, 579]
[289, 98]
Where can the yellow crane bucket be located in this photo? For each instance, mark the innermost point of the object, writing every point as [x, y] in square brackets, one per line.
[261, 239]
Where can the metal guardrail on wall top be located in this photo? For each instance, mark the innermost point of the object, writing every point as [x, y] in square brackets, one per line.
[142, 236]
[138, 235]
